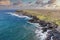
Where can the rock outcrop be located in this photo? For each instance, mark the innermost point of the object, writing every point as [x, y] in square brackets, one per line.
[53, 34]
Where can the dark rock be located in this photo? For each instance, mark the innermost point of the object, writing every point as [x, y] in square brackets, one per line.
[52, 25]
[54, 34]
[43, 23]
[31, 20]
[44, 30]
[30, 16]
[34, 17]
[19, 10]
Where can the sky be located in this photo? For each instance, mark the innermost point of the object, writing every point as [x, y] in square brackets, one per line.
[25, 1]
[22, 0]
[58, 2]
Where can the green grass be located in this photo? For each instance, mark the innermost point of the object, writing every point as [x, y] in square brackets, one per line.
[42, 16]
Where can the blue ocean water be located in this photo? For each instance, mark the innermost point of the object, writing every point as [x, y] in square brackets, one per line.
[15, 28]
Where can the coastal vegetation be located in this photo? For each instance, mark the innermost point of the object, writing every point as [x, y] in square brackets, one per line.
[47, 23]
[47, 15]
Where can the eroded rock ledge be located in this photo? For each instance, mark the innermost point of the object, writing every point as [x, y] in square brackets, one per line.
[47, 26]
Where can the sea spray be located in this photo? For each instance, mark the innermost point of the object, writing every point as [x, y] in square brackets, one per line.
[20, 16]
[52, 38]
[40, 35]
[38, 32]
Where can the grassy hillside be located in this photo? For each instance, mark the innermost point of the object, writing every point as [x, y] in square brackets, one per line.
[47, 15]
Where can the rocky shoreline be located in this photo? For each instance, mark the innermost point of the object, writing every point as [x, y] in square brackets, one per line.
[45, 26]
[37, 20]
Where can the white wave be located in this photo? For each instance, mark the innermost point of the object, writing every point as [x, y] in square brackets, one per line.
[40, 35]
[35, 24]
[38, 31]
[52, 38]
[20, 16]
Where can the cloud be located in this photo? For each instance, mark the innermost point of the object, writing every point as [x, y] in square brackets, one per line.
[33, 4]
[6, 2]
[58, 2]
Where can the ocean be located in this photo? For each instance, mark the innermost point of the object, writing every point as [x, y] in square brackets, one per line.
[13, 27]
[17, 27]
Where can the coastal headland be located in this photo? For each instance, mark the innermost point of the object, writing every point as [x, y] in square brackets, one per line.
[47, 19]
[47, 15]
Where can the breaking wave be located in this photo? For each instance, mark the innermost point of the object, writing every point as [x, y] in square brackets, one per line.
[20, 16]
[39, 32]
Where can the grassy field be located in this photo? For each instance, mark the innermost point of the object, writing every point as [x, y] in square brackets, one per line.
[47, 15]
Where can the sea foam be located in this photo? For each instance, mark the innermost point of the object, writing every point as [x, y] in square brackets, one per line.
[39, 32]
[20, 16]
